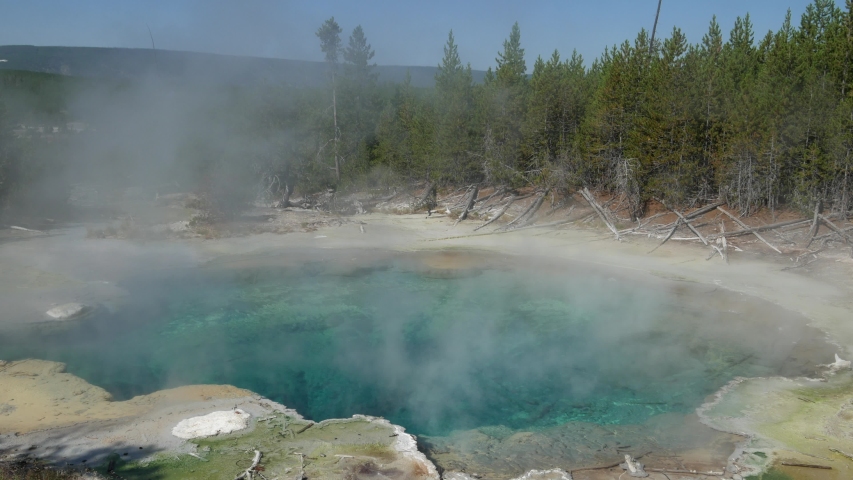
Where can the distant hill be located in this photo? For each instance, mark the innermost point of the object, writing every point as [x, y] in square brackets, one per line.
[133, 63]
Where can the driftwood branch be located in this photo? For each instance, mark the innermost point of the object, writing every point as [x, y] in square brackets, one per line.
[249, 473]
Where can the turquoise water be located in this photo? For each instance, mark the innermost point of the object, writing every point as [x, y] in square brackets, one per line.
[433, 353]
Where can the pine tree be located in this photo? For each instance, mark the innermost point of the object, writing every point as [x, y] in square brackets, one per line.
[454, 109]
[330, 43]
[502, 111]
[359, 103]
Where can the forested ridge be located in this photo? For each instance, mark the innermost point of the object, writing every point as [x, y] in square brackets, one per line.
[757, 120]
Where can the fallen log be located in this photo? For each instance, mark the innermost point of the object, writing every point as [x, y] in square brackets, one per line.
[693, 472]
[686, 222]
[499, 214]
[600, 211]
[498, 192]
[835, 229]
[643, 224]
[749, 231]
[703, 210]
[15, 227]
[469, 205]
[743, 225]
[535, 204]
[806, 465]
[668, 236]
[306, 427]
[827, 235]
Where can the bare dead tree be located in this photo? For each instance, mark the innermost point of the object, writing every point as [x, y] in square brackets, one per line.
[654, 29]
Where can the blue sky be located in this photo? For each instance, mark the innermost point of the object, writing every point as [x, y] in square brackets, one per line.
[402, 32]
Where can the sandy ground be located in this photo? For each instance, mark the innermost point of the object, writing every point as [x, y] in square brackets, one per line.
[41, 271]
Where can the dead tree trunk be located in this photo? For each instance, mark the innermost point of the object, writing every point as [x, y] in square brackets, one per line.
[427, 200]
[749, 231]
[496, 193]
[703, 210]
[668, 235]
[686, 222]
[536, 203]
[835, 229]
[469, 205]
[499, 214]
[600, 211]
[815, 225]
[743, 225]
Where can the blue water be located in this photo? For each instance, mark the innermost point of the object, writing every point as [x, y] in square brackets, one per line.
[433, 353]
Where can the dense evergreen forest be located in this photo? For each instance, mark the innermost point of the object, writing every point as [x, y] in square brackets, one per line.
[760, 121]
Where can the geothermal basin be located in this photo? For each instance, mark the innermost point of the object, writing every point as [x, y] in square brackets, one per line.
[499, 364]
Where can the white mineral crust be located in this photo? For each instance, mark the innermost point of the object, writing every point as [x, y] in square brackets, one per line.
[212, 424]
[67, 311]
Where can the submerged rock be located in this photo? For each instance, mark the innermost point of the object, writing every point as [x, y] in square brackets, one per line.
[633, 467]
[68, 311]
[212, 424]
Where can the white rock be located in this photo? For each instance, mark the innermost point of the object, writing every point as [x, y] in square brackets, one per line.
[839, 363]
[212, 424]
[68, 311]
[633, 467]
[555, 474]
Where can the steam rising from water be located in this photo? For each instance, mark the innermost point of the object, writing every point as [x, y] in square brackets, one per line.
[520, 348]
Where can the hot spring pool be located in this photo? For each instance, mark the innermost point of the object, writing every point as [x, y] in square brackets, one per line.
[497, 349]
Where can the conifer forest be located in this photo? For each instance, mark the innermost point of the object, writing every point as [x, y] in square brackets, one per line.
[761, 120]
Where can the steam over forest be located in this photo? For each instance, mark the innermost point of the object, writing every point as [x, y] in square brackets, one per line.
[761, 120]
